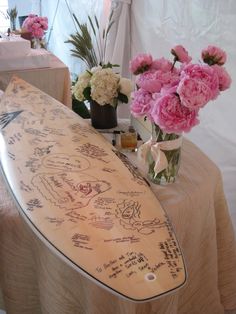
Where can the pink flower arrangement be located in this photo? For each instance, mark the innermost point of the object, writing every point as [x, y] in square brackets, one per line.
[172, 97]
[36, 25]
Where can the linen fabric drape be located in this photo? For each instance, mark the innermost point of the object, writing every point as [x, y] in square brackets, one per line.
[119, 43]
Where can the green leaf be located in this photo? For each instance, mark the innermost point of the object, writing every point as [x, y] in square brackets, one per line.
[109, 27]
[111, 14]
[75, 18]
[96, 20]
[87, 93]
[123, 98]
[83, 45]
[107, 65]
[90, 73]
[91, 23]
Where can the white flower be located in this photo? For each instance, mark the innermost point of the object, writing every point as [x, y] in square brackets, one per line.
[126, 86]
[80, 85]
[104, 86]
[95, 69]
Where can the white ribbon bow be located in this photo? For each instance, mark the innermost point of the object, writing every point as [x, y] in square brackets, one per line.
[158, 155]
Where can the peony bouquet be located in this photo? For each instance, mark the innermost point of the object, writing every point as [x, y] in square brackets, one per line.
[102, 85]
[171, 97]
[36, 25]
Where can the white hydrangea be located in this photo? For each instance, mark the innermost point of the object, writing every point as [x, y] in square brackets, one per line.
[104, 86]
[95, 69]
[126, 86]
[80, 85]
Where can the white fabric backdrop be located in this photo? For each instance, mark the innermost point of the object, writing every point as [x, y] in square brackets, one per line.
[64, 26]
[119, 48]
[156, 26]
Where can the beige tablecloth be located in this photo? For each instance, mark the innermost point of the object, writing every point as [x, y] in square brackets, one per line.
[54, 81]
[34, 280]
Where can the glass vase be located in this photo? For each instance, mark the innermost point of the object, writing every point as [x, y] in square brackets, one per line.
[36, 43]
[103, 117]
[169, 174]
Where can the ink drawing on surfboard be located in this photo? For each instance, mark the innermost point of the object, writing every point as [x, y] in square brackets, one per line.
[77, 192]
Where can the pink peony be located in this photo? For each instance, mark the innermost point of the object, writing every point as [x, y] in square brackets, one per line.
[162, 64]
[169, 89]
[36, 25]
[141, 104]
[171, 116]
[149, 81]
[32, 15]
[153, 81]
[203, 73]
[214, 55]
[224, 77]
[140, 63]
[181, 54]
[44, 24]
[193, 93]
[38, 33]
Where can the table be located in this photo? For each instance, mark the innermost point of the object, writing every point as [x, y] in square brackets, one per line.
[54, 81]
[34, 280]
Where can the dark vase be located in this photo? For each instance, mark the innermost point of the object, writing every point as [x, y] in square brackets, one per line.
[103, 117]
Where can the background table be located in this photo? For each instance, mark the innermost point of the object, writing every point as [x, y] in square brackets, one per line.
[54, 81]
[34, 280]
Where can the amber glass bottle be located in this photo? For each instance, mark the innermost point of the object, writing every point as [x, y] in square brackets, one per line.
[128, 140]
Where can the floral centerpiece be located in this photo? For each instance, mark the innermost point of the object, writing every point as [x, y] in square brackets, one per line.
[100, 85]
[103, 88]
[171, 98]
[36, 25]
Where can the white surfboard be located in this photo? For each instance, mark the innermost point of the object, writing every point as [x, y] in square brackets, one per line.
[85, 199]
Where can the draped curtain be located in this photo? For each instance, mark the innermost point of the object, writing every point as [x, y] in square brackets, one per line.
[119, 43]
[61, 26]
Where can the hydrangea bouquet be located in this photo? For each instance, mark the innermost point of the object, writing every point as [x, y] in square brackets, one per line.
[103, 88]
[171, 98]
[36, 25]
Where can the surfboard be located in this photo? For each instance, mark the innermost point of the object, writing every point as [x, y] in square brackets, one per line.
[85, 199]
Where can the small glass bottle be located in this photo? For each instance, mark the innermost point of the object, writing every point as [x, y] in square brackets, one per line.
[128, 140]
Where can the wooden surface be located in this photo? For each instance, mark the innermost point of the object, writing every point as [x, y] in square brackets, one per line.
[83, 198]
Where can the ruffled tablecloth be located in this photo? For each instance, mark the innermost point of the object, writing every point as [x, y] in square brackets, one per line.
[34, 280]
